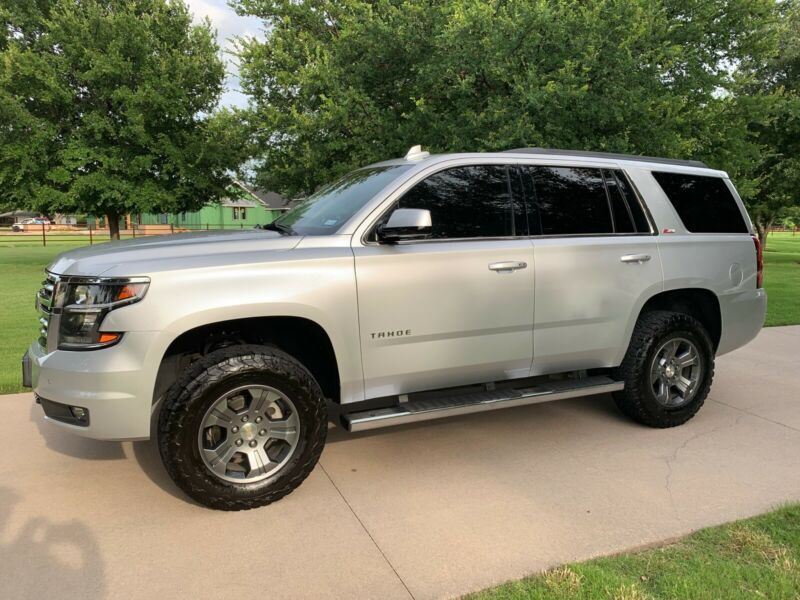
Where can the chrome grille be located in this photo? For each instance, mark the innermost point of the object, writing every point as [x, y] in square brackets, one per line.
[44, 304]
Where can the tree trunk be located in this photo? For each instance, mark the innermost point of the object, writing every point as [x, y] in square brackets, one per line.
[763, 227]
[112, 217]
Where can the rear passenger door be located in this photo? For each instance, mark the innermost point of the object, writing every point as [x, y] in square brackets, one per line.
[596, 261]
[457, 308]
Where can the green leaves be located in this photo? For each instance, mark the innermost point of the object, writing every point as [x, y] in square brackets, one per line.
[108, 105]
[339, 83]
[105, 107]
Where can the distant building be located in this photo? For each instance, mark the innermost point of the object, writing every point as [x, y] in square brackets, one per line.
[243, 208]
[60, 219]
[15, 216]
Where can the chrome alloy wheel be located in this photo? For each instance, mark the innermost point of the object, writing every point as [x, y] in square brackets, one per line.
[675, 373]
[249, 433]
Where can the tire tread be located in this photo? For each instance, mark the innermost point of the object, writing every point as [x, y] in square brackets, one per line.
[634, 371]
[194, 479]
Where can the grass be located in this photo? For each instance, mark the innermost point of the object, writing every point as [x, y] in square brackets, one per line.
[782, 279]
[22, 260]
[21, 267]
[754, 558]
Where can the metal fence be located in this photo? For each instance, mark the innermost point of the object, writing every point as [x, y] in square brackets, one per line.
[45, 235]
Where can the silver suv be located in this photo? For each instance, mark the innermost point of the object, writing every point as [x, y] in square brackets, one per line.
[408, 290]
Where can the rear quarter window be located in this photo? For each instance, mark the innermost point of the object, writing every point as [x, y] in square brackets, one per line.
[704, 204]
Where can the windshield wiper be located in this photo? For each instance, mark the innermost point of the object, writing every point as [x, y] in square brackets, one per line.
[279, 227]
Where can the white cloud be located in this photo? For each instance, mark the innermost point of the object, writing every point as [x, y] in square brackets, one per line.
[228, 25]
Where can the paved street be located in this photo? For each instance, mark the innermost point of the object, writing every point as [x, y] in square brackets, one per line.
[429, 510]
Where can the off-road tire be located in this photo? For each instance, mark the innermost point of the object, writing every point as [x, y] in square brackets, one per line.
[638, 400]
[197, 389]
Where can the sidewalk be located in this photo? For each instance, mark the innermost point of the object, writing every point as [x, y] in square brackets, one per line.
[426, 511]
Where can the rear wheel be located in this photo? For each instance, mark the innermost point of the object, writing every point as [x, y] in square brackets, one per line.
[242, 428]
[667, 370]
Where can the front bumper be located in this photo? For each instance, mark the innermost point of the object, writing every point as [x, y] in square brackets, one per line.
[114, 385]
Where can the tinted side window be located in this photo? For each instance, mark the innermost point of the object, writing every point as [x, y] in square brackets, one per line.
[704, 204]
[634, 204]
[465, 202]
[571, 200]
[623, 219]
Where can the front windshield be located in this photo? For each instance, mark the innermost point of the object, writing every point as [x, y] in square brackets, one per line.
[326, 210]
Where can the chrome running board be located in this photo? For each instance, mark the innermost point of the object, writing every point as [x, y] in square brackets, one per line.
[462, 404]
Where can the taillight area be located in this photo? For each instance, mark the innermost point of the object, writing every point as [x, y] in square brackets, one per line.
[759, 263]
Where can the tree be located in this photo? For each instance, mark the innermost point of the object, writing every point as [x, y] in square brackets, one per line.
[340, 83]
[773, 82]
[105, 108]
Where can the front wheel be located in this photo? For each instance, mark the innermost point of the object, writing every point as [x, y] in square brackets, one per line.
[667, 370]
[243, 427]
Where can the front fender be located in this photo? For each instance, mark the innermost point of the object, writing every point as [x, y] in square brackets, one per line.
[322, 291]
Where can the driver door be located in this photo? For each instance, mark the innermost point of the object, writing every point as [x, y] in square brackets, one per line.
[456, 308]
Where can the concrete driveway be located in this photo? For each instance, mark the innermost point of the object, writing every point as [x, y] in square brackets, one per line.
[425, 511]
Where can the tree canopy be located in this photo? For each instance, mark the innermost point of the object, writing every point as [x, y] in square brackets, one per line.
[105, 108]
[340, 83]
[772, 84]
[350, 81]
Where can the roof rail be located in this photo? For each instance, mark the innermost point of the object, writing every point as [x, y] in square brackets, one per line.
[613, 155]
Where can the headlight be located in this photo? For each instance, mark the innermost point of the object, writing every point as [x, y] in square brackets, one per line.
[81, 303]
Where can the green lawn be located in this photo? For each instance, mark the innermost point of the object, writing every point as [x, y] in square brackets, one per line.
[782, 279]
[22, 261]
[21, 267]
[754, 558]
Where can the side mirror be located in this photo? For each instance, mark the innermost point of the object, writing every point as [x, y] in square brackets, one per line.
[405, 224]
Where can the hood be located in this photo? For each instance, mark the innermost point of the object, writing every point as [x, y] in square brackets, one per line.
[167, 252]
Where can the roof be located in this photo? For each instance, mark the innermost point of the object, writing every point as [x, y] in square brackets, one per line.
[612, 155]
[19, 213]
[270, 200]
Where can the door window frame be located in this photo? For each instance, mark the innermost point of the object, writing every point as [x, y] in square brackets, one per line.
[366, 222]
[383, 211]
[534, 209]
[637, 197]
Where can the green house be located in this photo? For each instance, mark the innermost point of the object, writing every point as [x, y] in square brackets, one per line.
[243, 208]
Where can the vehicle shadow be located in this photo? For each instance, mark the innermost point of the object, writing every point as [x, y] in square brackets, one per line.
[147, 456]
[46, 559]
[145, 452]
[69, 444]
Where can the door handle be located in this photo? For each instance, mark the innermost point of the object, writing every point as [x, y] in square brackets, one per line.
[635, 258]
[507, 266]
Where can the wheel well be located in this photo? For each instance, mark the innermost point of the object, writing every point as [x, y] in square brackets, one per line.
[303, 339]
[701, 304]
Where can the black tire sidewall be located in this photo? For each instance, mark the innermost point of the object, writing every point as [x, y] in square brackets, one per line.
[638, 400]
[705, 355]
[220, 372]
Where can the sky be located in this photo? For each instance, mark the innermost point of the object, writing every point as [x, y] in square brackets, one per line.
[228, 24]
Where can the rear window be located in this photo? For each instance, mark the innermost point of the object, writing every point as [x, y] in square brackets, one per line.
[704, 204]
